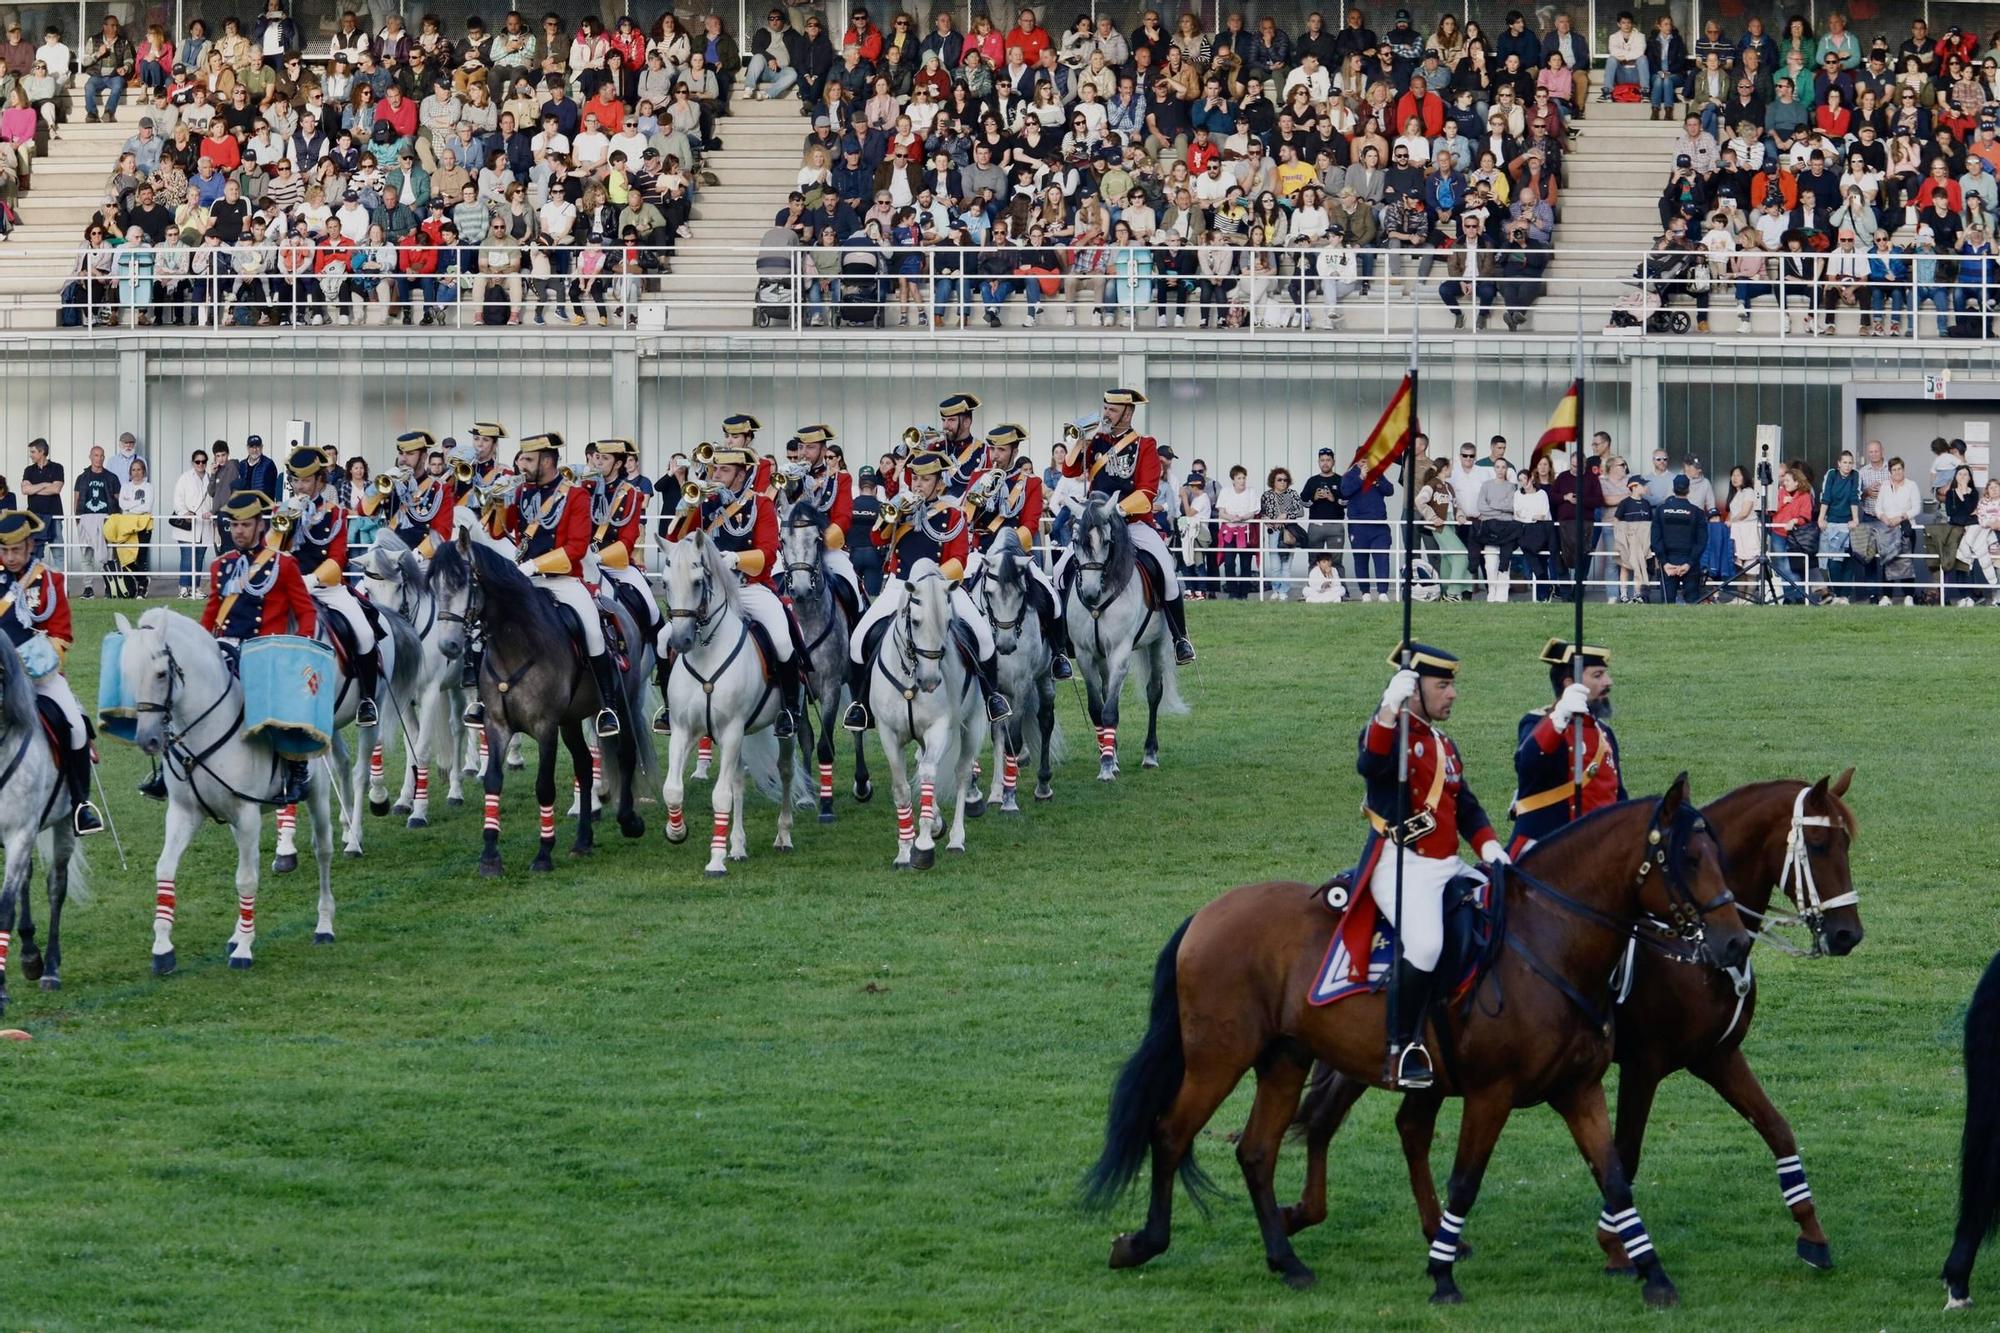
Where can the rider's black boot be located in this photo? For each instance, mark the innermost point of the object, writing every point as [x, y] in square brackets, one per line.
[297, 774]
[787, 724]
[1412, 1061]
[154, 786]
[468, 678]
[76, 769]
[857, 718]
[367, 681]
[606, 676]
[1056, 632]
[1177, 622]
[663, 725]
[998, 710]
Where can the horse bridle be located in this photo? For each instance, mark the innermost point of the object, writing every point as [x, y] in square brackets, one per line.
[986, 585]
[701, 613]
[173, 746]
[1798, 884]
[911, 649]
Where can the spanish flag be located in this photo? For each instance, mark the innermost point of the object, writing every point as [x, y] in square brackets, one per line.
[1392, 434]
[1563, 425]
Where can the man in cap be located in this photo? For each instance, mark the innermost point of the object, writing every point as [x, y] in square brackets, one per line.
[417, 504]
[255, 589]
[313, 531]
[922, 523]
[1437, 809]
[1125, 465]
[740, 517]
[1680, 531]
[829, 488]
[1005, 495]
[1546, 793]
[549, 520]
[35, 617]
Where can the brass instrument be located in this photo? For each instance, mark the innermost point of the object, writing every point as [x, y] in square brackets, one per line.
[387, 482]
[703, 457]
[696, 490]
[463, 471]
[288, 516]
[789, 473]
[1071, 432]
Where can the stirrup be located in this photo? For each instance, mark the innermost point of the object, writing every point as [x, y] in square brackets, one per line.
[366, 714]
[607, 723]
[1061, 668]
[85, 820]
[998, 710]
[1183, 649]
[1413, 1068]
[786, 726]
[856, 718]
[662, 724]
[474, 715]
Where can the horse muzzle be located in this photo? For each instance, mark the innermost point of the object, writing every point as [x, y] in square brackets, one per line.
[1842, 940]
[1734, 951]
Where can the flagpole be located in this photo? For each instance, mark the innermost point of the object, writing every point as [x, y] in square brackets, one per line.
[1583, 534]
[1403, 713]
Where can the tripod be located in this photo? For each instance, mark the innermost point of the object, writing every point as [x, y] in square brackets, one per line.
[1762, 574]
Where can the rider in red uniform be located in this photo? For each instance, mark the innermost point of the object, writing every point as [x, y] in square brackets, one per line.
[419, 506]
[34, 615]
[1004, 494]
[255, 589]
[829, 488]
[316, 537]
[1546, 795]
[1121, 463]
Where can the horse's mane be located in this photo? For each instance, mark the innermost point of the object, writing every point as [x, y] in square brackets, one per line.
[1119, 552]
[507, 591]
[17, 694]
[708, 556]
[806, 514]
[1676, 833]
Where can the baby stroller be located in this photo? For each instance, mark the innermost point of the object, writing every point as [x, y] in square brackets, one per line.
[776, 300]
[863, 289]
[1646, 308]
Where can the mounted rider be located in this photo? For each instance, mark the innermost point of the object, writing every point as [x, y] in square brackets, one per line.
[548, 520]
[1546, 792]
[742, 520]
[618, 519]
[1119, 462]
[255, 589]
[1441, 810]
[829, 488]
[475, 470]
[34, 615]
[311, 527]
[922, 523]
[1004, 494]
[419, 507]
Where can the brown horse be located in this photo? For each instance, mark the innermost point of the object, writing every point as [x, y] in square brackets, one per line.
[1786, 835]
[1230, 988]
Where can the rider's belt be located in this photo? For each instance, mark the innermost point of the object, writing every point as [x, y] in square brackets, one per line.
[1542, 800]
[1411, 831]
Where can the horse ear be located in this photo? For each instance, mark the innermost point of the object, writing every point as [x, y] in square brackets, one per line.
[465, 542]
[124, 625]
[1676, 797]
[1838, 787]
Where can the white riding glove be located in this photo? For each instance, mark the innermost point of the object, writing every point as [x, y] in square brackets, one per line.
[1575, 702]
[733, 559]
[1494, 854]
[1402, 687]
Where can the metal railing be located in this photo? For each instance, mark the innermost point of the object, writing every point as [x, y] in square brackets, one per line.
[1375, 290]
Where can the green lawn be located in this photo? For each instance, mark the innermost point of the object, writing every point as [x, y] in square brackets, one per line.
[821, 1094]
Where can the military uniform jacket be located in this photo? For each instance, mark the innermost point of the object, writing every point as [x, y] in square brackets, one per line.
[551, 528]
[832, 493]
[258, 594]
[748, 526]
[319, 544]
[419, 510]
[1019, 505]
[37, 602]
[938, 531]
[1437, 786]
[1125, 467]
[1545, 797]
[617, 517]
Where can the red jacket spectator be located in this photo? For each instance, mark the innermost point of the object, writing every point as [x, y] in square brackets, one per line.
[1429, 110]
[1199, 155]
[222, 151]
[402, 114]
[1928, 191]
[416, 257]
[1833, 121]
[1788, 188]
[1964, 46]
[610, 112]
[333, 253]
[1032, 41]
[868, 37]
[630, 44]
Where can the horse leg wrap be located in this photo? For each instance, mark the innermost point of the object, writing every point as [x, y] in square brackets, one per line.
[1107, 742]
[163, 908]
[596, 767]
[482, 750]
[1631, 1232]
[1792, 1181]
[548, 822]
[5, 940]
[704, 750]
[246, 915]
[288, 818]
[1010, 772]
[423, 789]
[492, 812]
[906, 823]
[928, 803]
[1444, 1247]
[718, 841]
[375, 764]
[675, 823]
[826, 782]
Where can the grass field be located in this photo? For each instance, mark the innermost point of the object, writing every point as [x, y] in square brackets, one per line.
[818, 1094]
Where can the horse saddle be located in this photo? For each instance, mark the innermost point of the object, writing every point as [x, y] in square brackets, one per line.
[1152, 580]
[1474, 912]
[607, 623]
[645, 613]
[55, 727]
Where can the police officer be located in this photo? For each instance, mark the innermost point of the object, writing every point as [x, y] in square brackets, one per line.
[1546, 792]
[1005, 495]
[922, 523]
[1438, 809]
[35, 617]
[1680, 534]
[314, 533]
[255, 589]
[1125, 465]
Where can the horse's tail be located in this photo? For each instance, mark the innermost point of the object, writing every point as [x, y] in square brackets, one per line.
[632, 685]
[1979, 1148]
[409, 656]
[1171, 702]
[1319, 1101]
[1145, 1090]
[79, 864]
[760, 759]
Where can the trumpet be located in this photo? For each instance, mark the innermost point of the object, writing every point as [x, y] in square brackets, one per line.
[702, 459]
[790, 473]
[1071, 432]
[387, 482]
[566, 474]
[286, 517]
[463, 471]
[695, 491]
[983, 492]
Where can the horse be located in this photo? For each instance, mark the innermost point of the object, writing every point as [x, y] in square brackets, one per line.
[922, 691]
[1115, 628]
[189, 711]
[533, 679]
[398, 578]
[823, 623]
[718, 678]
[1230, 991]
[37, 802]
[1791, 835]
[1979, 1146]
[1024, 659]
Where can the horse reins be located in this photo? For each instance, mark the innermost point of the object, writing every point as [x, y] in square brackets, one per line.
[174, 749]
[1798, 884]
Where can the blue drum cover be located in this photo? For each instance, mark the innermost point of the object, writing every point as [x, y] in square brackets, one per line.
[290, 685]
[116, 716]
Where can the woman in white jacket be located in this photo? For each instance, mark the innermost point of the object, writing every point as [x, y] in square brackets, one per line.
[1339, 272]
[190, 519]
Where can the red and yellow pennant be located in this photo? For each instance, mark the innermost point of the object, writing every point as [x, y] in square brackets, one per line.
[1564, 425]
[1392, 434]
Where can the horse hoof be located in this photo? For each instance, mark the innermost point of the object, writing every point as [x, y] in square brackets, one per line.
[701, 773]
[1447, 1296]
[240, 962]
[1150, 761]
[826, 817]
[716, 874]
[1010, 806]
[1817, 1254]
[923, 858]
[1661, 1296]
[378, 808]
[1297, 1276]
[542, 864]
[669, 833]
[1107, 775]
[974, 809]
[322, 937]
[489, 867]
[285, 865]
[864, 792]
[454, 801]
[1954, 1301]
[31, 967]
[1616, 1270]
[163, 963]
[51, 983]
[351, 853]
[1045, 793]
[631, 826]
[400, 808]
[418, 821]
[579, 853]
[1129, 1251]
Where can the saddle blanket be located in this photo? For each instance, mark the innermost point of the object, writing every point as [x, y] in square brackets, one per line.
[1362, 930]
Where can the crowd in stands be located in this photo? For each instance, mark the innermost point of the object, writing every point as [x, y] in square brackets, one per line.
[383, 174]
[1822, 171]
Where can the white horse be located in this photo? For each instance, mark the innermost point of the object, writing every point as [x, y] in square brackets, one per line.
[922, 692]
[1116, 629]
[1024, 658]
[717, 688]
[36, 808]
[190, 711]
[396, 577]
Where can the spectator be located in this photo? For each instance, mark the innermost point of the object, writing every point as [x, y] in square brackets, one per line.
[1325, 513]
[1322, 583]
[1466, 480]
[96, 491]
[42, 484]
[1838, 507]
[1368, 531]
[193, 511]
[1632, 533]
[1499, 532]
[131, 529]
[258, 472]
[1195, 527]
[1680, 532]
[1897, 505]
[1237, 509]
[1280, 510]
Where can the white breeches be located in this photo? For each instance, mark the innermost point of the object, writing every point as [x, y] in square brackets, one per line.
[762, 605]
[572, 593]
[342, 602]
[1422, 925]
[54, 686]
[841, 566]
[890, 600]
[1147, 538]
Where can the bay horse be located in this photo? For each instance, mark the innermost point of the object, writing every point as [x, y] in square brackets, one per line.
[1979, 1146]
[823, 625]
[533, 679]
[1790, 836]
[1024, 658]
[1230, 993]
[37, 808]
[1116, 630]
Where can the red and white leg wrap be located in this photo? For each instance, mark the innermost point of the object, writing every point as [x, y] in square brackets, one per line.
[704, 750]
[1010, 772]
[246, 915]
[375, 764]
[288, 818]
[675, 823]
[928, 803]
[548, 822]
[906, 823]
[1107, 742]
[5, 938]
[596, 767]
[718, 841]
[826, 782]
[492, 812]
[482, 748]
[423, 782]
[163, 902]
